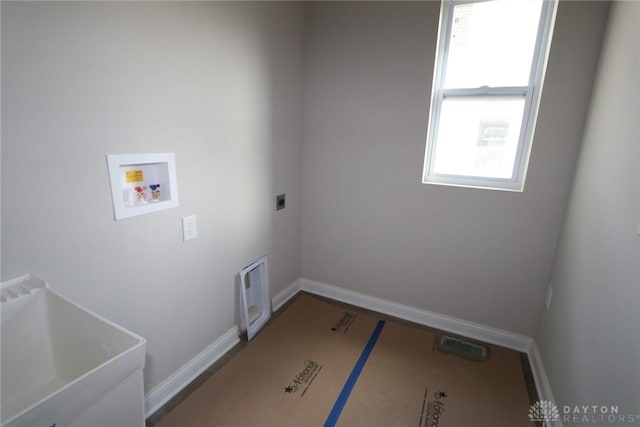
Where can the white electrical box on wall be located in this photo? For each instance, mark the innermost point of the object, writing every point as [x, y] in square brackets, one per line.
[142, 183]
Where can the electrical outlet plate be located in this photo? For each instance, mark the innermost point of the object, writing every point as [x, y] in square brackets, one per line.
[189, 228]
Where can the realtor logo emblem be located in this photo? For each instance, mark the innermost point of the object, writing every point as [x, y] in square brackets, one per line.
[544, 410]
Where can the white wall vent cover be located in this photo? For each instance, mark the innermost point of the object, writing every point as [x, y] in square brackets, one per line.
[254, 290]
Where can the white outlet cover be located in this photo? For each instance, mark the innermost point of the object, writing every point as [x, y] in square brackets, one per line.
[189, 228]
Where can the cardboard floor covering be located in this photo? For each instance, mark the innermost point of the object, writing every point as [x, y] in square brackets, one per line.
[293, 373]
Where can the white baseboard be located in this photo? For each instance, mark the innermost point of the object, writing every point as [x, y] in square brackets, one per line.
[285, 295]
[461, 327]
[181, 378]
[543, 386]
[423, 317]
[162, 393]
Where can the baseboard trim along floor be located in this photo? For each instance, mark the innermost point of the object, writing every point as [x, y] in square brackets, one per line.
[465, 328]
[162, 393]
[325, 362]
[166, 390]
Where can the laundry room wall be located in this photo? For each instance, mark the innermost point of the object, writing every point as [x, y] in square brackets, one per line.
[216, 83]
[369, 223]
[588, 338]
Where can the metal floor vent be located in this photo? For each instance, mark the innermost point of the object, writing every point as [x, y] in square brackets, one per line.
[463, 348]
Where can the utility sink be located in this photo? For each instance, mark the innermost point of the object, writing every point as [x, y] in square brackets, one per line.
[63, 365]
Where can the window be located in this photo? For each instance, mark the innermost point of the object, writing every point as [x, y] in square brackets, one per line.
[486, 91]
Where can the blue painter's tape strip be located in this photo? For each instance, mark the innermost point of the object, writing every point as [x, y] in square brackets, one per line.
[332, 419]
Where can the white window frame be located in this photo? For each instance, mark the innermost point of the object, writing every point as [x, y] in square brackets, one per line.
[532, 93]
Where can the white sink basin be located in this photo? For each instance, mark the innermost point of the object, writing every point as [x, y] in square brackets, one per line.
[62, 365]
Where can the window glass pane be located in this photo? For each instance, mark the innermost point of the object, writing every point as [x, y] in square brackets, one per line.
[478, 136]
[495, 39]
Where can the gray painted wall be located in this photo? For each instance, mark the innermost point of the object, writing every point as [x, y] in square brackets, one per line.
[217, 83]
[221, 85]
[589, 338]
[371, 226]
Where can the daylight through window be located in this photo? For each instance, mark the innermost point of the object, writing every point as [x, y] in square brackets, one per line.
[486, 91]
